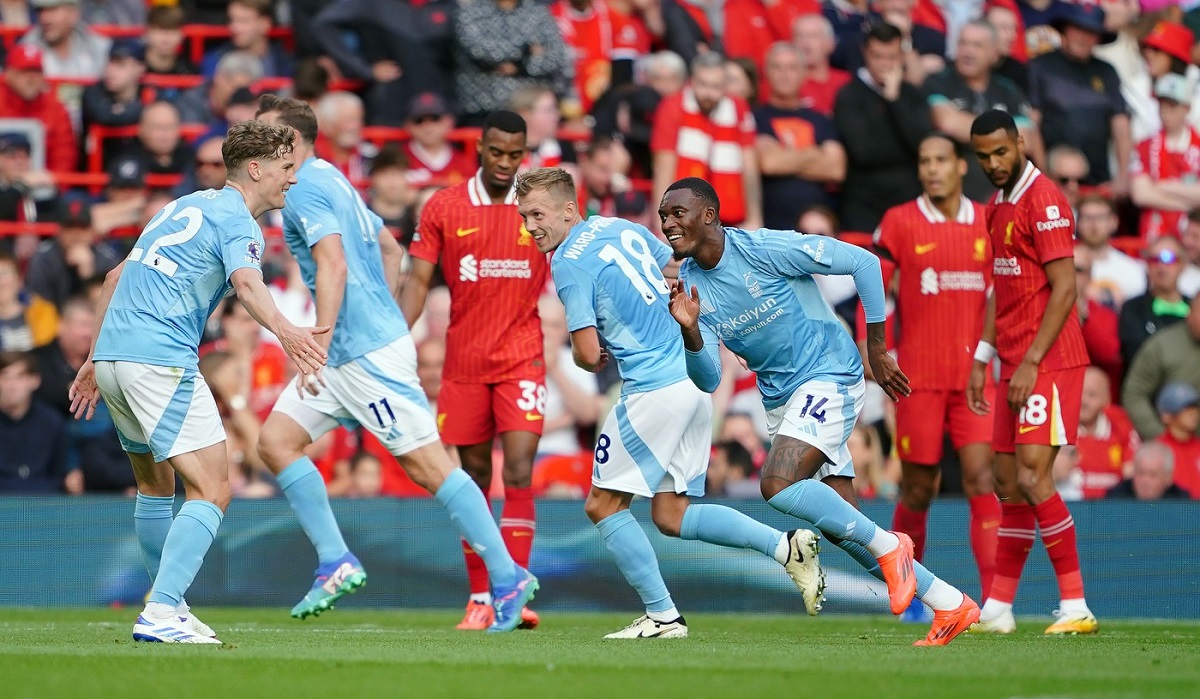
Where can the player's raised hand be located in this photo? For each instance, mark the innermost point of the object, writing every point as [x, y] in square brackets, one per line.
[1021, 385]
[685, 308]
[888, 375]
[84, 393]
[976, 399]
[300, 345]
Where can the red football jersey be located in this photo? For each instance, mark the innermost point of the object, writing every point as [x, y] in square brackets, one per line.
[820, 96]
[1030, 227]
[1104, 450]
[1159, 159]
[596, 37]
[452, 167]
[495, 275]
[944, 269]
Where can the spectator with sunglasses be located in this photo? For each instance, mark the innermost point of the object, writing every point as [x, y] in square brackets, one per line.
[1162, 305]
[1068, 166]
[210, 164]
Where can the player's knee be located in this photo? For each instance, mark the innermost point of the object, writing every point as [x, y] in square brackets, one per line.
[274, 450]
[916, 495]
[771, 487]
[597, 509]
[669, 523]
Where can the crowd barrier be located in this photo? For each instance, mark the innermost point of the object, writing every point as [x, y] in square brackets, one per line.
[1140, 560]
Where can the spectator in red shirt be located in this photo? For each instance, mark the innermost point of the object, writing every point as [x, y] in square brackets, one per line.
[1165, 167]
[23, 95]
[701, 132]
[813, 35]
[1106, 441]
[265, 369]
[432, 158]
[1178, 407]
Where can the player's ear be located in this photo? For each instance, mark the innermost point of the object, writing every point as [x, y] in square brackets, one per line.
[962, 167]
[255, 170]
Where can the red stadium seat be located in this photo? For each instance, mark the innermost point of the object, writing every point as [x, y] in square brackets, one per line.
[97, 134]
[197, 35]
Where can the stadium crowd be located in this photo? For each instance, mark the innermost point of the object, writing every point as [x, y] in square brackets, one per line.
[803, 114]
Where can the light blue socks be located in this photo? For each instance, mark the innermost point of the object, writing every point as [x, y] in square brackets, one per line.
[191, 535]
[816, 502]
[304, 488]
[151, 522]
[725, 526]
[468, 509]
[625, 540]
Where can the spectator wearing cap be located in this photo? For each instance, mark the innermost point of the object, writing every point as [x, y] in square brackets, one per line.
[1077, 98]
[1153, 476]
[26, 194]
[1178, 407]
[1115, 276]
[117, 99]
[70, 47]
[1166, 50]
[24, 95]
[203, 104]
[250, 23]
[503, 46]
[340, 122]
[1166, 166]
[63, 264]
[432, 158]
[798, 151]
[1162, 305]
[402, 48]
[164, 42]
[1172, 355]
[26, 319]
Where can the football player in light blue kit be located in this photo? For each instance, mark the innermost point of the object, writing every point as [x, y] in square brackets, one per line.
[755, 292]
[655, 443]
[151, 312]
[351, 264]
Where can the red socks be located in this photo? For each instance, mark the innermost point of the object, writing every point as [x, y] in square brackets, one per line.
[1016, 534]
[1058, 535]
[985, 526]
[911, 522]
[477, 574]
[517, 523]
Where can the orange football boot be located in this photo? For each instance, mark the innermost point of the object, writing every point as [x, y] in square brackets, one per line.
[948, 624]
[898, 573]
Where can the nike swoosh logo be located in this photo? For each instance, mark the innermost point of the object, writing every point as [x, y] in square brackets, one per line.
[1024, 430]
[922, 249]
[533, 417]
[464, 232]
[521, 533]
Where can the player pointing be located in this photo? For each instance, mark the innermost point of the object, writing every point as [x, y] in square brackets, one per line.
[152, 311]
[655, 442]
[350, 263]
[1032, 324]
[755, 291]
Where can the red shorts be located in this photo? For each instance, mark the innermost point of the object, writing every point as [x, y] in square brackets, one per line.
[1050, 416]
[924, 417]
[471, 413]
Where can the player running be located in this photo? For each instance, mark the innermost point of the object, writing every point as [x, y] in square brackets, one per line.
[655, 442]
[1033, 325]
[938, 244]
[151, 313]
[755, 291]
[350, 263]
[494, 380]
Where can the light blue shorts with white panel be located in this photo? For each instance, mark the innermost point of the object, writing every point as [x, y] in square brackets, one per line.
[378, 390]
[823, 414]
[656, 442]
[159, 410]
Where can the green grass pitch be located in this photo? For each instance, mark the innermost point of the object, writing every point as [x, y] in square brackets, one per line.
[46, 654]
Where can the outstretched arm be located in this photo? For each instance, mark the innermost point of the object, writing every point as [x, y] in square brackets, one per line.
[300, 344]
[412, 297]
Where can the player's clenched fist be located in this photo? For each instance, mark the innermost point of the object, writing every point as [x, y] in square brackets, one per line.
[685, 307]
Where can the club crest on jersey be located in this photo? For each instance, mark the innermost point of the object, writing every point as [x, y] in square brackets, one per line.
[524, 237]
[1008, 234]
[752, 285]
[253, 252]
[980, 249]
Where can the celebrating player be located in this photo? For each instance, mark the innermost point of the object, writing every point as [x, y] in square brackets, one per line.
[350, 263]
[755, 291]
[152, 311]
[655, 442]
[494, 380]
[1032, 323]
[939, 246]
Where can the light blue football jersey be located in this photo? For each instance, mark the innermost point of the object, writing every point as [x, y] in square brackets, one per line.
[763, 303]
[322, 203]
[608, 273]
[176, 276]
